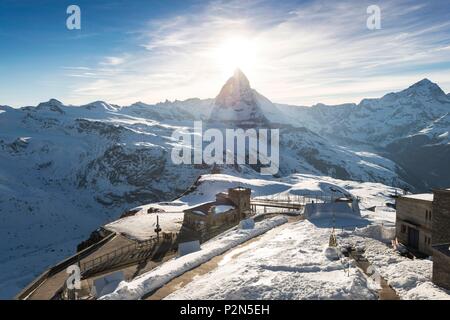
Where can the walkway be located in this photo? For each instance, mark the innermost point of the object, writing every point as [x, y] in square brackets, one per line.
[386, 292]
[48, 289]
[212, 264]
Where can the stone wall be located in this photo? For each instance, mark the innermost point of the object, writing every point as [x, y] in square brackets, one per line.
[241, 198]
[441, 216]
[441, 269]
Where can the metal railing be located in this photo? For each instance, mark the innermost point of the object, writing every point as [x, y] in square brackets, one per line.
[27, 291]
[117, 252]
[300, 199]
[131, 253]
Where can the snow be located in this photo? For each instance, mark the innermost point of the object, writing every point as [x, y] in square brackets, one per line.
[294, 262]
[286, 263]
[84, 166]
[420, 196]
[247, 224]
[378, 232]
[443, 135]
[222, 209]
[427, 291]
[157, 277]
[142, 227]
[332, 253]
[411, 279]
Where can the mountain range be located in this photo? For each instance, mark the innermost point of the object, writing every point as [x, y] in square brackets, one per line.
[66, 170]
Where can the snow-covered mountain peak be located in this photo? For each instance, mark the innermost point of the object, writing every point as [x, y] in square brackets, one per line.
[236, 90]
[101, 105]
[238, 103]
[424, 95]
[51, 102]
[51, 105]
[425, 88]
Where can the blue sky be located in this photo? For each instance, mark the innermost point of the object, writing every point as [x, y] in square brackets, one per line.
[297, 52]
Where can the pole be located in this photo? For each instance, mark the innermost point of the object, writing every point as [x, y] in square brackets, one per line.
[157, 229]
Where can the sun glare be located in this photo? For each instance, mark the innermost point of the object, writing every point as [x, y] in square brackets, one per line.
[236, 53]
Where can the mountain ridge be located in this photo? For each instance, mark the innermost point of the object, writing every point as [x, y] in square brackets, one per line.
[72, 168]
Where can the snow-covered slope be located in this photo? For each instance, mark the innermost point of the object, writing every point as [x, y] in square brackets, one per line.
[378, 121]
[287, 262]
[406, 127]
[65, 170]
[301, 149]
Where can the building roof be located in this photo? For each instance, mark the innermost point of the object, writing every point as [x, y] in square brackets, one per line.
[142, 227]
[442, 190]
[443, 248]
[204, 208]
[240, 188]
[420, 196]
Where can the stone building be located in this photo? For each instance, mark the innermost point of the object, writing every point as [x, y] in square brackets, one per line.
[227, 210]
[441, 221]
[414, 222]
[441, 238]
[441, 265]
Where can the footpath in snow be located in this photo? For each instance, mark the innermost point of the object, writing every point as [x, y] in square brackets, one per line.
[161, 275]
[411, 279]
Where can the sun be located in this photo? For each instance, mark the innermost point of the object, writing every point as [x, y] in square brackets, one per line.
[236, 52]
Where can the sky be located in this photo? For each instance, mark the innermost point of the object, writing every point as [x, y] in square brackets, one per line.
[295, 52]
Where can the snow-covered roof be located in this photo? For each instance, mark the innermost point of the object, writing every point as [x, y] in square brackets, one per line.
[142, 227]
[420, 196]
[223, 208]
[219, 207]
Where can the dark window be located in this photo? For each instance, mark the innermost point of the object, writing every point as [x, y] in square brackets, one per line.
[403, 228]
[428, 214]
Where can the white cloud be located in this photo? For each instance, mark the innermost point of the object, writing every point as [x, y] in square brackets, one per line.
[315, 52]
[113, 61]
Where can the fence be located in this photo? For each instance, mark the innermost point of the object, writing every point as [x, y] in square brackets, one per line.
[27, 291]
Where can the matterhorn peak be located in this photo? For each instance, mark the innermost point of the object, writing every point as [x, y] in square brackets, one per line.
[240, 76]
[237, 103]
[236, 89]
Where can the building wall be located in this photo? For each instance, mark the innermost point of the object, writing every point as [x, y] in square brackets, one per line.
[194, 221]
[240, 197]
[211, 222]
[441, 216]
[417, 214]
[441, 269]
[205, 223]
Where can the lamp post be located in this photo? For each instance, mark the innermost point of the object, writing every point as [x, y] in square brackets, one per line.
[157, 229]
